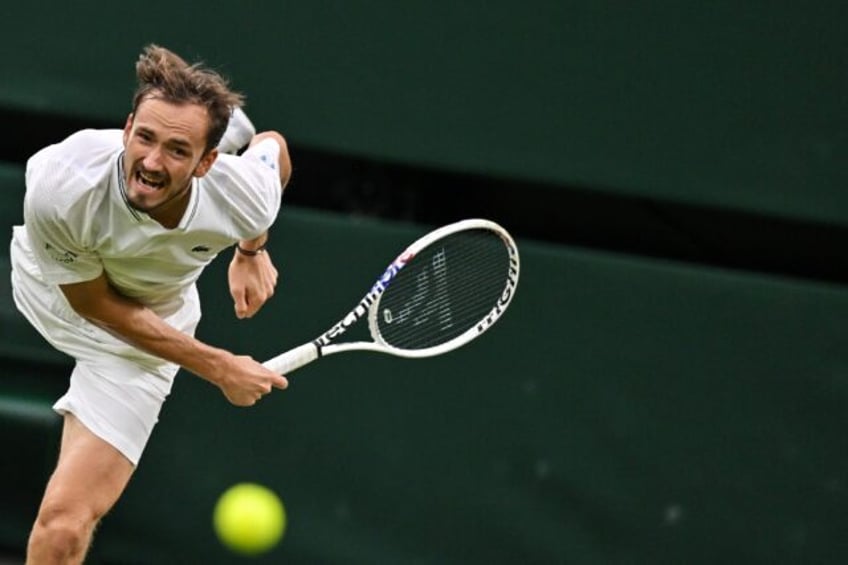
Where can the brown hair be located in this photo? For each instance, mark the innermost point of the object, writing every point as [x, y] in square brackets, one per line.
[163, 74]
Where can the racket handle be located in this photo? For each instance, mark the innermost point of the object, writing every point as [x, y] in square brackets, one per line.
[293, 359]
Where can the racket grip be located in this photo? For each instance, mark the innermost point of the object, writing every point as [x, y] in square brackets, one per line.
[293, 359]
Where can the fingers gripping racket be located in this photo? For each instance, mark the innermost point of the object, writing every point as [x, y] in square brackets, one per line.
[443, 291]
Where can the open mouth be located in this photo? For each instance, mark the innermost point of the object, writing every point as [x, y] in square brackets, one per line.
[149, 181]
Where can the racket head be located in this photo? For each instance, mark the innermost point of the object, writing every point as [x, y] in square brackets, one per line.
[445, 289]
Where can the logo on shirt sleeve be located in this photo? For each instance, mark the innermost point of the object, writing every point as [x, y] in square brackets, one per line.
[268, 161]
[59, 255]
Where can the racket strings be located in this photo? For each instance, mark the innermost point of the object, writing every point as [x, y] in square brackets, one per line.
[448, 288]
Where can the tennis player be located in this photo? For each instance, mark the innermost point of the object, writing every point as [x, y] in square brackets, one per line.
[118, 225]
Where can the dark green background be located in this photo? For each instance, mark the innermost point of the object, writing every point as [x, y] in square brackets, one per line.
[625, 410]
[738, 104]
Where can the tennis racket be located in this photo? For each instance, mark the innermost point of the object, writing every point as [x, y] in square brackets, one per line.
[443, 291]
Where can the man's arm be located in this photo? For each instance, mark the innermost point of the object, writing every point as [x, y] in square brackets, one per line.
[242, 379]
[284, 166]
[252, 275]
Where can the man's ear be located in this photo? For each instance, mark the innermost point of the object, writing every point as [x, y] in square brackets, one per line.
[128, 128]
[206, 163]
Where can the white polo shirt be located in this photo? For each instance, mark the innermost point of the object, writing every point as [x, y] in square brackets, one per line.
[79, 222]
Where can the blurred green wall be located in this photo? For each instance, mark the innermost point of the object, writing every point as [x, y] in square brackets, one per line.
[730, 104]
[623, 411]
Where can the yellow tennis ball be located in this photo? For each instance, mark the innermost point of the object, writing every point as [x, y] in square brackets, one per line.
[249, 518]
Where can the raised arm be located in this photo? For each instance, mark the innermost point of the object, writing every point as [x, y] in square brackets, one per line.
[252, 275]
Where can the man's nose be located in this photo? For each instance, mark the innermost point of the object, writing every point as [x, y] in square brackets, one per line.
[153, 160]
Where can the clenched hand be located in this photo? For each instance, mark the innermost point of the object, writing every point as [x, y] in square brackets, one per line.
[252, 281]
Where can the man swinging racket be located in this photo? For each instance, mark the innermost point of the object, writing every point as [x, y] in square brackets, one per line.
[118, 226]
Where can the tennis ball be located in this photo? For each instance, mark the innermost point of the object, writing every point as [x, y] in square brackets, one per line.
[249, 518]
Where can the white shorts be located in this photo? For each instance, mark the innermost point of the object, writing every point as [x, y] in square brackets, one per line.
[116, 390]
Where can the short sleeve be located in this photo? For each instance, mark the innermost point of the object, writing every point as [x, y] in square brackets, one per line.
[266, 155]
[249, 187]
[56, 223]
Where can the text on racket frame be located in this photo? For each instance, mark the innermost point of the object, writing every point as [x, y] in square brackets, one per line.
[366, 302]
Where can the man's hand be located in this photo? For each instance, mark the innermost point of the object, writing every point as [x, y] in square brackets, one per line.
[252, 281]
[245, 381]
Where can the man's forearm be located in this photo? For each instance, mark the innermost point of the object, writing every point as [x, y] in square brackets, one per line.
[139, 326]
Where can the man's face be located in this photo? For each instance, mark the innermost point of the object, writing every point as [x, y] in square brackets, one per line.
[164, 145]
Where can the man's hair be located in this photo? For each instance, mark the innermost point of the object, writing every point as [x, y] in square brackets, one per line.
[163, 74]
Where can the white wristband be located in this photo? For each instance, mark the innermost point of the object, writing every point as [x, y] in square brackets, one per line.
[239, 132]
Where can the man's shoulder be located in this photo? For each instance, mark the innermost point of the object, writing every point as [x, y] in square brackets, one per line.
[71, 171]
[87, 154]
[83, 147]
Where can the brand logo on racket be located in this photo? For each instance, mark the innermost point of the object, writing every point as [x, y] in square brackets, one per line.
[417, 308]
[369, 299]
[391, 272]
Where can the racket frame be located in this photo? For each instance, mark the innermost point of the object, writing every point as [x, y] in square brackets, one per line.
[370, 305]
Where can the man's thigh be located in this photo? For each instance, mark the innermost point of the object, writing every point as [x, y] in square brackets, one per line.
[90, 474]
